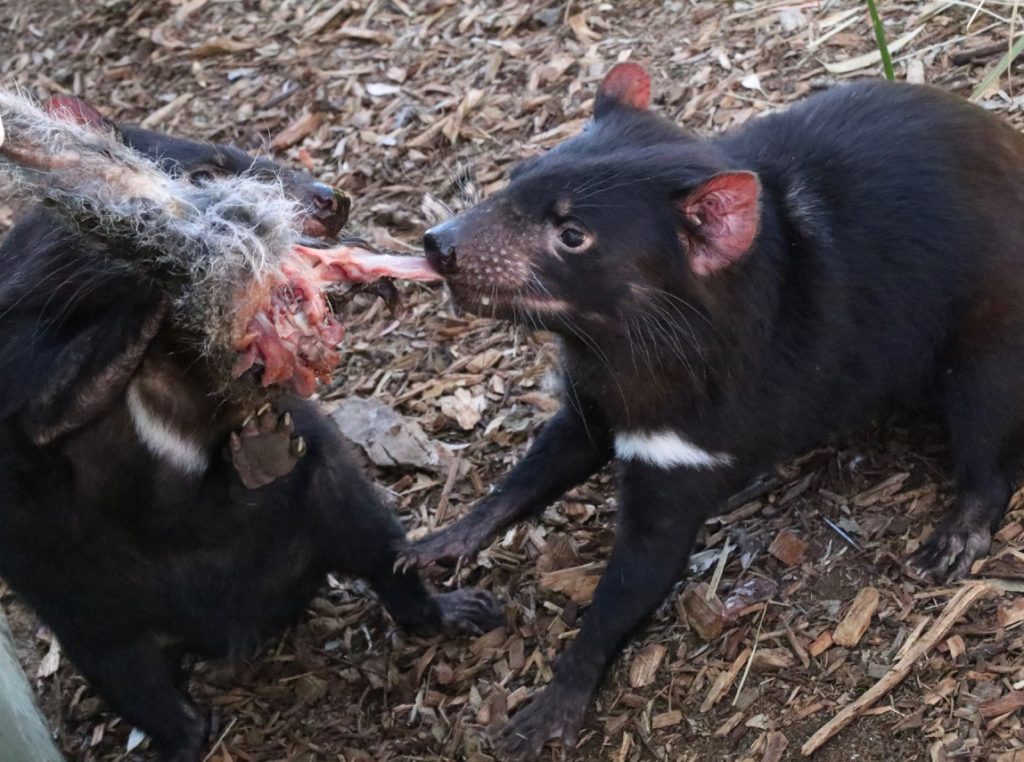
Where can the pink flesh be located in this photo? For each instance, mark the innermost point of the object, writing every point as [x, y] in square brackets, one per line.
[348, 263]
[286, 325]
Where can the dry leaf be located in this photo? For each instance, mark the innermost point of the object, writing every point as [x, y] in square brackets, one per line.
[873, 57]
[135, 739]
[792, 19]
[754, 590]
[578, 24]
[464, 407]
[51, 662]
[387, 438]
[378, 89]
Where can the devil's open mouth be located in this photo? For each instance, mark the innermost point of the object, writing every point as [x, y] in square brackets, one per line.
[285, 325]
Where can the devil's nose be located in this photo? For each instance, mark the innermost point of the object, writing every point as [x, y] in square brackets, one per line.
[440, 250]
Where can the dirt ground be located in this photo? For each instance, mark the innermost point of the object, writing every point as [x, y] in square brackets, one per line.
[415, 107]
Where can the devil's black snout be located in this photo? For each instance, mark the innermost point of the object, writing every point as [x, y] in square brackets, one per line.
[331, 207]
[439, 245]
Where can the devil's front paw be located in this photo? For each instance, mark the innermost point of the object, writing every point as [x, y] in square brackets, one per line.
[469, 612]
[461, 540]
[953, 548]
[557, 713]
[265, 449]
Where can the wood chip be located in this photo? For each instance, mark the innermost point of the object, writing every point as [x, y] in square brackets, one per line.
[704, 615]
[855, 623]
[1009, 533]
[157, 117]
[666, 719]
[881, 491]
[296, 131]
[217, 46]
[798, 647]
[956, 646]
[772, 659]
[724, 681]
[578, 582]
[729, 725]
[1011, 702]
[820, 644]
[1010, 613]
[788, 548]
[645, 665]
[945, 687]
[774, 746]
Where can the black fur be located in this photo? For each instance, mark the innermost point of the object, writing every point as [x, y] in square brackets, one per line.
[888, 268]
[128, 557]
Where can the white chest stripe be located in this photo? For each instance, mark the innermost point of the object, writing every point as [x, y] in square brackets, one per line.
[666, 449]
[162, 440]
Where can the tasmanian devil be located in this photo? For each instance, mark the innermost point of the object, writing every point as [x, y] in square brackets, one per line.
[142, 513]
[726, 302]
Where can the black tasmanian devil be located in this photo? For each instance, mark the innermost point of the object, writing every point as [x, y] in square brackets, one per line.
[140, 514]
[726, 302]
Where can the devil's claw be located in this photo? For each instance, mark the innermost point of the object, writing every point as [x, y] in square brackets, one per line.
[265, 449]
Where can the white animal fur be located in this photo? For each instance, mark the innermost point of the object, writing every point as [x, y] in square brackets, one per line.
[162, 440]
[666, 449]
[202, 243]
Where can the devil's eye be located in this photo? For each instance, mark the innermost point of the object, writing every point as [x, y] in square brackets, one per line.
[572, 238]
[201, 177]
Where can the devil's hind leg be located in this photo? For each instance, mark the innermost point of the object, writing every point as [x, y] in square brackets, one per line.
[984, 412]
[139, 682]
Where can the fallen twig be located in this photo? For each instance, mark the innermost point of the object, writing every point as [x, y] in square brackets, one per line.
[849, 540]
[978, 54]
[956, 607]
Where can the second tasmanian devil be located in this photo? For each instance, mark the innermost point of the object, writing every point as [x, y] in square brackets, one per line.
[140, 515]
[726, 302]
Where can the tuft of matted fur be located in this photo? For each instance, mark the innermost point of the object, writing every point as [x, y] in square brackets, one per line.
[200, 243]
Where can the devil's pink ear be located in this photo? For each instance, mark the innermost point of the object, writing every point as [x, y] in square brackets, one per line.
[722, 219]
[626, 84]
[72, 109]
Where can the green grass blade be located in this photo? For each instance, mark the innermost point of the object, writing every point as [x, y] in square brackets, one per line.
[883, 47]
[999, 69]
